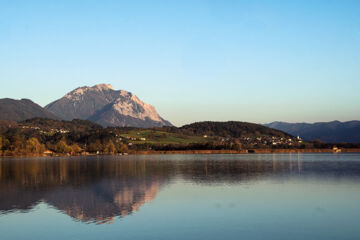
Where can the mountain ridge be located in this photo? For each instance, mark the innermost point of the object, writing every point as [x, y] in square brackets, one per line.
[20, 110]
[231, 129]
[333, 131]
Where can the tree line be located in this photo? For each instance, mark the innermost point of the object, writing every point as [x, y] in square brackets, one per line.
[37, 136]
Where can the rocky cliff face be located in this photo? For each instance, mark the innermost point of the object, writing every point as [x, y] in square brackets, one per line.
[106, 106]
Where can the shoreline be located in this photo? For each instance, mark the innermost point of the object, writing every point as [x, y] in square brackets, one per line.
[250, 151]
[154, 152]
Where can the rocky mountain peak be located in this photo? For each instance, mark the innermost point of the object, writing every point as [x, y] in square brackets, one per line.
[106, 106]
[78, 92]
[103, 87]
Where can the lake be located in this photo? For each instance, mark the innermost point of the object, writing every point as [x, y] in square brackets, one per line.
[234, 196]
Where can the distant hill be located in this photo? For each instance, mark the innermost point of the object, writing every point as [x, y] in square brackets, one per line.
[108, 107]
[75, 125]
[19, 110]
[231, 129]
[334, 131]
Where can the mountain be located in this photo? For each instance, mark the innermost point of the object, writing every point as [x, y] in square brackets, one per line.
[106, 106]
[334, 131]
[231, 129]
[20, 110]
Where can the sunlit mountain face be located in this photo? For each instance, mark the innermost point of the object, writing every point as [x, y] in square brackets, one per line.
[107, 107]
[99, 189]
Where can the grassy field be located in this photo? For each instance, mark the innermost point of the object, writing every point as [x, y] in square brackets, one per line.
[160, 137]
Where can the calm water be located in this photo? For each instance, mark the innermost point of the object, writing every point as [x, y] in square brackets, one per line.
[269, 196]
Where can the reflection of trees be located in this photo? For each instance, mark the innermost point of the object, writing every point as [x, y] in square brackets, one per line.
[98, 189]
[205, 171]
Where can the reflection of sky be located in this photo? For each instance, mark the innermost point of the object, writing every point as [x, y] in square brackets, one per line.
[291, 209]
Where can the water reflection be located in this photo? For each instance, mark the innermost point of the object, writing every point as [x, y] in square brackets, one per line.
[89, 190]
[98, 189]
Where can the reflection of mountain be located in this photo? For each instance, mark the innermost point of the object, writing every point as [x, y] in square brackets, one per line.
[99, 189]
[89, 190]
[102, 201]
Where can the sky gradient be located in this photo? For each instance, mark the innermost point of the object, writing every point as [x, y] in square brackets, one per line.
[256, 61]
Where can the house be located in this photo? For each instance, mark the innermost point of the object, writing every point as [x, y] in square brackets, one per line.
[48, 152]
[336, 149]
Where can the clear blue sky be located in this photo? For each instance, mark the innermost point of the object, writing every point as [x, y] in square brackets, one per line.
[256, 61]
